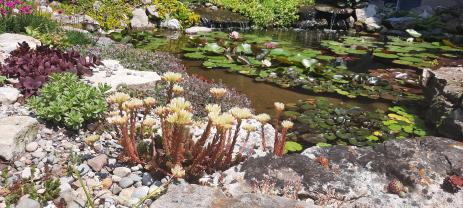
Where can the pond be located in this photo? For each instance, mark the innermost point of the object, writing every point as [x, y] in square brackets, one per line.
[339, 88]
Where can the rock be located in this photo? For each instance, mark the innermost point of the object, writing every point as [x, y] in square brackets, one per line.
[32, 146]
[125, 195]
[147, 179]
[121, 76]
[97, 163]
[83, 168]
[358, 175]
[146, 1]
[190, 195]
[333, 10]
[106, 183]
[115, 189]
[222, 18]
[197, 29]
[87, 22]
[399, 23]
[443, 94]
[9, 41]
[8, 95]
[153, 13]
[121, 171]
[16, 132]
[26, 202]
[171, 24]
[26, 174]
[140, 20]
[140, 192]
[126, 182]
[368, 16]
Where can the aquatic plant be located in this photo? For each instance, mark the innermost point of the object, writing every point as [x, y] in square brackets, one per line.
[319, 122]
[67, 101]
[33, 66]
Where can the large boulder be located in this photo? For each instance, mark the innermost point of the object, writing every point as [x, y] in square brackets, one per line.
[368, 16]
[87, 22]
[189, 195]
[171, 24]
[140, 20]
[358, 176]
[16, 132]
[8, 95]
[444, 93]
[399, 23]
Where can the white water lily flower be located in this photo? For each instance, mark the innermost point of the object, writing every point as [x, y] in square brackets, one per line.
[266, 63]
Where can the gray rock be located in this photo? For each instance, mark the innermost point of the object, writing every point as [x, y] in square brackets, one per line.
[26, 173]
[16, 132]
[368, 16]
[38, 154]
[121, 171]
[443, 94]
[126, 182]
[186, 195]
[9, 41]
[399, 23]
[140, 192]
[146, 1]
[8, 95]
[25, 202]
[147, 179]
[83, 168]
[115, 189]
[172, 24]
[140, 20]
[32, 146]
[358, 175]
[153, 12]
[97, 163]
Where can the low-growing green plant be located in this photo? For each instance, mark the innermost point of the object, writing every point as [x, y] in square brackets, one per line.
[266, 13]
[2, 80]
[18, 23]
[176, 9]
[59, 38]
[67, 101]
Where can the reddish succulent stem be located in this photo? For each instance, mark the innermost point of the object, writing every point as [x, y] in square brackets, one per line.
[264, 143]
[245, 143]
[200, 143]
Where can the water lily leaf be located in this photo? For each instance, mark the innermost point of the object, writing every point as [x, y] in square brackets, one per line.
[411, 59]
[214, 48]
[280, 52]
[326, 58]
[399, 118]
[395, 128]
[195, 55]
[244, 48]
[323, 144]
[385, 55]
[372, 138]
[291, 146]
[308, 63]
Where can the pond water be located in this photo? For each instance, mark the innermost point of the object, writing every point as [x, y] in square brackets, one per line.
[339, 89]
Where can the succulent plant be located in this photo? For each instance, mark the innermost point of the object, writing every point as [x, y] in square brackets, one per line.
[32, 67]
[453, 183]
[396, 187]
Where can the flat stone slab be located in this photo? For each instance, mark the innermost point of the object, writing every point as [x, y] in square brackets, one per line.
[8, 95]
[114, 75]
[190, 195]
[16, 132]
[197, 29]
[9, 41]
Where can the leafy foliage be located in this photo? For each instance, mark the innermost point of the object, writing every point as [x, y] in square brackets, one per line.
[59, 38]
[265, 13]
[178, 10]
[33, 66]
[2, 80]
[291, 146]
[69, 102]
[18, 23]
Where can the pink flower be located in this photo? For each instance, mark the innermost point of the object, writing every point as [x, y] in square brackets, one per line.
[10, 4]
[18, 2]
[1, 1]
[270, 45]
[26, 10]
[60, 11]
[234, 35]
[3, 12]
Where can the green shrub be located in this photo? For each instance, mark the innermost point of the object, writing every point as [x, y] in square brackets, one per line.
[178, 10]
[69, 102]
[266, 13]
[18, 23]
[2, 80]
[59, 38]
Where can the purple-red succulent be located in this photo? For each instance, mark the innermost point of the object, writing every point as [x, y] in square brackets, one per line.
[32, 67]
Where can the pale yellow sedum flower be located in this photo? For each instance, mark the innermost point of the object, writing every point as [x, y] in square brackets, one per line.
[249, 128]
[149, 101]
[177, 89]
[213, 108]
[287, 124]
[218, 92]
[279, 106]
[118, 120]
[181, 117]
[172, 77]
[178, 171]
[118, 98]
[179, 104]
[225, 120]
[149, 122]
[241, 113]
[262, 118]
[134, 103]
[161, 110]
